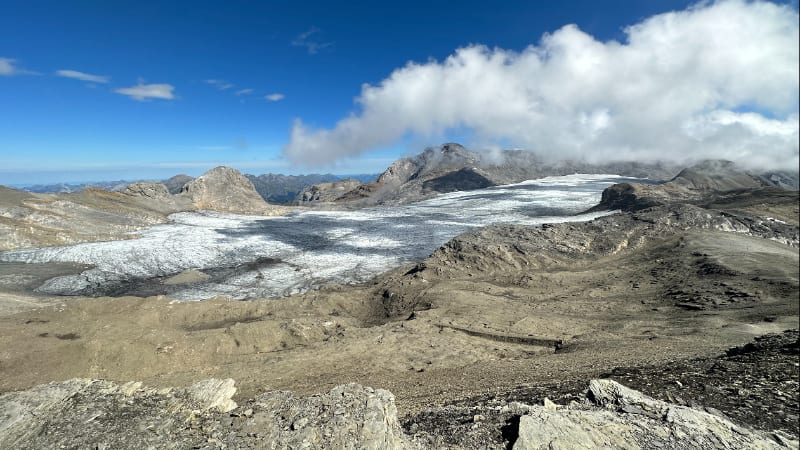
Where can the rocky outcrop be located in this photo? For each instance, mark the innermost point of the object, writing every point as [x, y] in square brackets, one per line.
[277, 188]
[331, 192]
[704, 183]
[176, 183]
[156, 191]
[227, 190]
[618, 417]
[83, 413]
[41, 220]
[349, 416]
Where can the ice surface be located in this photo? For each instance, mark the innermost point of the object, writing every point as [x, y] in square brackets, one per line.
[250, 257]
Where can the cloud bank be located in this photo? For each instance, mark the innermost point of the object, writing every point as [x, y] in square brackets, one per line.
[143, 92]
[718, 80]
[83, 76]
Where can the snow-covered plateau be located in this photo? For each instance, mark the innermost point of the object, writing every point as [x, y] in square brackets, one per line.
[253, 257]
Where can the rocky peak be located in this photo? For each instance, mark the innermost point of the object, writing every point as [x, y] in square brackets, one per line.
[225, 189]
[444, 158]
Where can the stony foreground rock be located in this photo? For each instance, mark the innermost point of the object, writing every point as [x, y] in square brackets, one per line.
[84, 413]
[623, 418]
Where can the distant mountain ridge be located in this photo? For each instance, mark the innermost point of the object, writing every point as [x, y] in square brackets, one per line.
[67, 188]
[273, 187]
[451, 167]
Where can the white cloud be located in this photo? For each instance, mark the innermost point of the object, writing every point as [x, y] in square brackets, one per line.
[220, 84]
[307, 40]
[274, 97]
[718, 80]
[83, 76]
[144, 92]
[9, 67]
[244, 91]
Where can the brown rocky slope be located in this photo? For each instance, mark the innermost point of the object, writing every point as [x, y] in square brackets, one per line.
[41, 220]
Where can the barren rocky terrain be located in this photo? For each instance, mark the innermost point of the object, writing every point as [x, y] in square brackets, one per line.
[91, 215]
[651, 297]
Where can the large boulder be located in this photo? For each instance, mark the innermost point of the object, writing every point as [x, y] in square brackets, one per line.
[619, 417]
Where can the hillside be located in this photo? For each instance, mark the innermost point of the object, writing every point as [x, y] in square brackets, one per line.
[42, 220]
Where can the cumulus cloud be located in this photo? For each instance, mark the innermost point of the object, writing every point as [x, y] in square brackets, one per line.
[718, 80]
[9, 67]
[83, 76]
[143, 92]
[274, 97]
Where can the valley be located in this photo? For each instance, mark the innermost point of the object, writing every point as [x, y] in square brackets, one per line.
[480, 294]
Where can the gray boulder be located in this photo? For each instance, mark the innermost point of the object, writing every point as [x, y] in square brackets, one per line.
[619, 417]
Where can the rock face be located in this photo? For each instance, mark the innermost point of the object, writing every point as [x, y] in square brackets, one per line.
[83, 413]
[176, 183]
[348, 417]
[225, 189]
[619, 417]
[148, 190]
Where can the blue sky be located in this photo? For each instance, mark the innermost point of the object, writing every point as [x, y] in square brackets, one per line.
[261, 86]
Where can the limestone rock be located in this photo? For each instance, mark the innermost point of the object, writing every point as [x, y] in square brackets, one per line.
[623, 418]
[227, 190]
[348, 417]
[214, 394]
[147, 189]
[84, 413]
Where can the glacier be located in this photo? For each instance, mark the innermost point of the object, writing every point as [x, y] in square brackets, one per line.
[266, 257]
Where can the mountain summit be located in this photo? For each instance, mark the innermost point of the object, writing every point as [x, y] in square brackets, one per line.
[225, 189]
